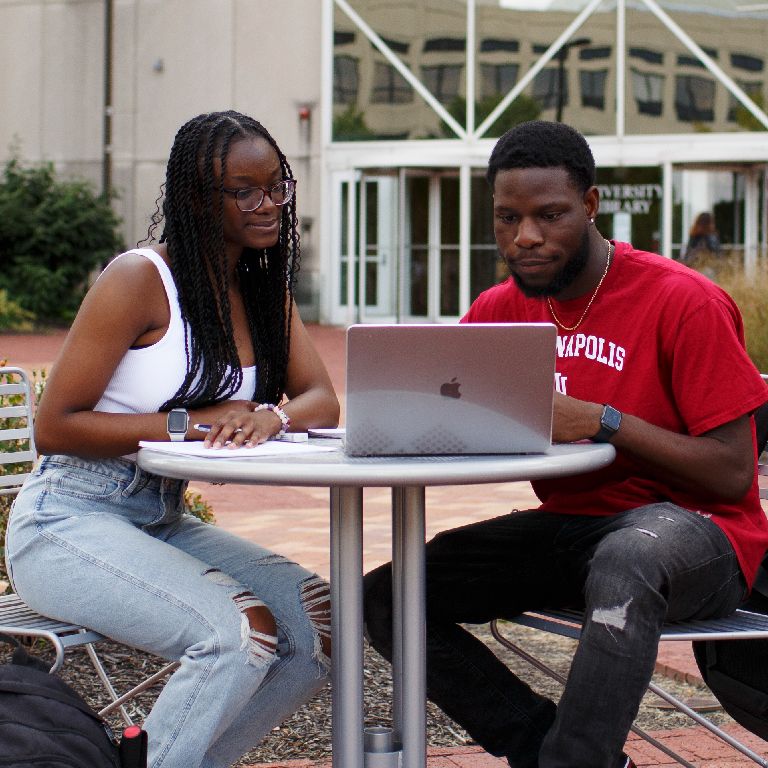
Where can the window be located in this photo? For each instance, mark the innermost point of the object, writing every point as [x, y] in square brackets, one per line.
[346, 79]
[589, 54]
[394, 45]
[389, 86]
[652, 57]
[497, 78]
[343, 38]
[458, 44]
[492, 44]
[545, 88]
[694, 61]
[593, 88]
[749, 63]
[753, 90]
[649, 92]
[694, 98]
[442, 81]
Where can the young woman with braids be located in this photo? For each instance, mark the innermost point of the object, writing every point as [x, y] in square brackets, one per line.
[201, 326]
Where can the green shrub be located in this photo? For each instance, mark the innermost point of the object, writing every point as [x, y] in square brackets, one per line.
[6, 446]
[350, 125]
[52, 235]
[12, 316]
[522, 110]
[197, 507]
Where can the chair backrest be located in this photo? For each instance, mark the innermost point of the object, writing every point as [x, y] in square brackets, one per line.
[761, 429]
[17, 443]
[761, 423]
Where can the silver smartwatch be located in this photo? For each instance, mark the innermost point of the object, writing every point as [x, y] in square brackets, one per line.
[609, 425]
[178, 424]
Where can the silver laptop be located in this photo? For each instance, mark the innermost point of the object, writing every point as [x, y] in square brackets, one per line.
[450, 389]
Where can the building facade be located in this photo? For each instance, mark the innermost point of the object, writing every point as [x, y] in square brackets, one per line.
[388, 111]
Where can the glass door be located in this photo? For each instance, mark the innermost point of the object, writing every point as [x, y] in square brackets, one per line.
[397, 245]
[430, 289]
[379, 234]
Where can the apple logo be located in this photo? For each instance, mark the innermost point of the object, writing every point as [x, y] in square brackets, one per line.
[451, 389]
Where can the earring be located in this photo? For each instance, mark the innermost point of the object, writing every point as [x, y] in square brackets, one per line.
[591, 221]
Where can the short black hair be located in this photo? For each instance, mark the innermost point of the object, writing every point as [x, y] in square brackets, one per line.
[541, 144]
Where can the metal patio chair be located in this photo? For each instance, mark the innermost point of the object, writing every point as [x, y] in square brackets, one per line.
[16, 618]
[741, 625]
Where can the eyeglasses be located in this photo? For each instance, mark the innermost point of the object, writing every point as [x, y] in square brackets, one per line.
[250, 198]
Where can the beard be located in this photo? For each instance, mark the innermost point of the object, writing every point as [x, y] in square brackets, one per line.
[564, 278]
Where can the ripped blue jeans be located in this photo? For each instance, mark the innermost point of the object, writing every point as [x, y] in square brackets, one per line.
[106, 545]
[630, 572]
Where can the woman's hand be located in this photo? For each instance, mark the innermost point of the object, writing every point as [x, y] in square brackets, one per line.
[233, 424]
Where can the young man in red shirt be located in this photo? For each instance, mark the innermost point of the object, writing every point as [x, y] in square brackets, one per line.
[651, 357]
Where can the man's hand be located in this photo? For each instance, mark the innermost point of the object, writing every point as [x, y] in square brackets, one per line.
[574, 419]
[718, 464]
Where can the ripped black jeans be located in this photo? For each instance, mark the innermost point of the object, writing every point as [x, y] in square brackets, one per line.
[631, 572]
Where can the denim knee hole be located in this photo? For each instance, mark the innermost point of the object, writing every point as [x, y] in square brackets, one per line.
[260, 646]
[316, 600]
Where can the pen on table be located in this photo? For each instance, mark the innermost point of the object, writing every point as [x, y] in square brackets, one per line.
[287, 437]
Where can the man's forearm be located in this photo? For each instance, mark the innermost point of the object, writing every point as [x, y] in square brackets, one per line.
[718, 464]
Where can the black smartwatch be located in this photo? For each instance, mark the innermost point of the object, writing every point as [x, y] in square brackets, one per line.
[178, 424]
[609, 425]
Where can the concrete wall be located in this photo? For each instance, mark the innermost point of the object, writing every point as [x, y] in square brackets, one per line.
[172, 59]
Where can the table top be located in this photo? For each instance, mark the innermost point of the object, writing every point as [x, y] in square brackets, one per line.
[335, 469]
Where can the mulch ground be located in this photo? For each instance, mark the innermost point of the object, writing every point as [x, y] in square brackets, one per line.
[307, 733]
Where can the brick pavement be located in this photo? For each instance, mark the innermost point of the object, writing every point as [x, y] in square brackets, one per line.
[294, 521]
[693, 744]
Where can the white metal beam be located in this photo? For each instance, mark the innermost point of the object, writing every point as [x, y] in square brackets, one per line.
[470, 73]
[387, 52]
[666, 210]
[708, 62]
[465, 222]
[621, 66]
[751, 197]
[536, 68]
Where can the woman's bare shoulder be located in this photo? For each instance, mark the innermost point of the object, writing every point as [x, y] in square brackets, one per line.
[133, 263]
[130, 287]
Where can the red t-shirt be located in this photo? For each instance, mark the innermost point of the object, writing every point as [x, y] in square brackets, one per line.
[664, 344]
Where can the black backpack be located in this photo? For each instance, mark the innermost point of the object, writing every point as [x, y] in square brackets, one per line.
[736, 671]
[45, 724]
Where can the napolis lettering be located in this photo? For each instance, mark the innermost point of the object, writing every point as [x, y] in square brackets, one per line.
[593, 348]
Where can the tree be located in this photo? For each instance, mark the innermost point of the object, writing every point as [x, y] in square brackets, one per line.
[522, 110]
[52, 235]
[350, 125]
[746, 119]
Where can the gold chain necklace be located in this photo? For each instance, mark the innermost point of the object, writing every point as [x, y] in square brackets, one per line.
[586, 309]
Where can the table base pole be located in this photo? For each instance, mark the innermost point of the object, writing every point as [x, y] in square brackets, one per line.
[409, 632]
[347, 626]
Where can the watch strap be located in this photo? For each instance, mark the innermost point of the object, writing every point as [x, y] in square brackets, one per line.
[610, 420]
[177, 435]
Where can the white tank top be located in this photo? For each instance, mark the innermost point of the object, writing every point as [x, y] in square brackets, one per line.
[148, 377]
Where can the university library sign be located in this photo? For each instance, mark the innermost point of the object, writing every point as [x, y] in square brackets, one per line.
[628, 198]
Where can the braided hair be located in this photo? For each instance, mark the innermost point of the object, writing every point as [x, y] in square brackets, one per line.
[193, 232]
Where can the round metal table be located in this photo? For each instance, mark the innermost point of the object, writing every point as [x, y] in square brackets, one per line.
[407, 476]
